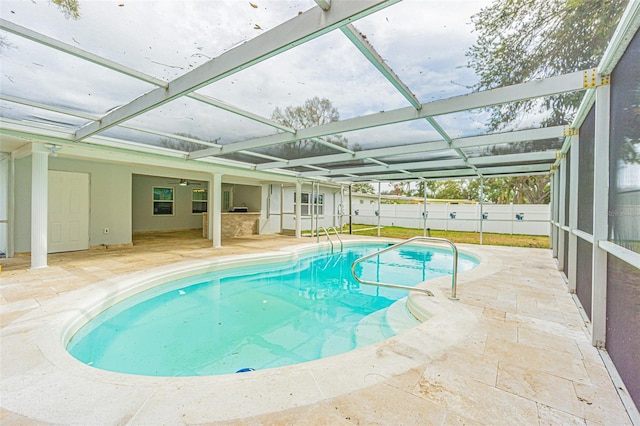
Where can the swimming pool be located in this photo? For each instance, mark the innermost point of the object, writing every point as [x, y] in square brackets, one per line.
[256, 316]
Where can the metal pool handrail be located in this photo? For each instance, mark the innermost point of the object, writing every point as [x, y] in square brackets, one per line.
[335, 230]
[328, 238]
[454, 276]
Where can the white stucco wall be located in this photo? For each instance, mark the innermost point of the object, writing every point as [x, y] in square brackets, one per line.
[142, 218]
[248, 196]
[120, 200]
[110, 200]
[22, 217]
[328, 218]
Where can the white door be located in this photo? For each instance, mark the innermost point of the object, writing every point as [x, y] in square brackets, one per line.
[68, 211]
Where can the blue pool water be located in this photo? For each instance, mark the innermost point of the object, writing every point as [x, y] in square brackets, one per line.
[258, 317]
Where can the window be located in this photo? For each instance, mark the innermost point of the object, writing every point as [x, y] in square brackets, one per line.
[226, 200]
[307, 202]
[163, 201]
[198, 201]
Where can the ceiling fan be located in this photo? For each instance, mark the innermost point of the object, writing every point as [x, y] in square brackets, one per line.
[185, 182]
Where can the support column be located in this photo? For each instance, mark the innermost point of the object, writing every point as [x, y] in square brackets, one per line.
[554, 213]
[341, 211]
[561, 213]
[600, 216]
[215, 220]
[573, 213]
[481, 206]
[298, 212]
[313, 205]
[379, 212]
[350, 210]
[281, 208]
[424, 208]
[39, 204]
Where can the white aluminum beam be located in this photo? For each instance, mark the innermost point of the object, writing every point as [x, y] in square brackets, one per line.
[196, 96]
[532, 89]
[333, 146]
[304, 27]
[318, 168]
[503, 160]
[522, 169]
[378, 162]
[169, 135]
[238, 111]
[501, 175]
[39, 105]
[573, 213]
[114, 66]
[80, 114]
[263, 156]
[625, 31]
[324, 4]
[79, 53]
[563, 175]
[448, 174]
[468, 142]
[522, 157]
[36, 131]
[363, 45]
[421, 165]
[600, 216]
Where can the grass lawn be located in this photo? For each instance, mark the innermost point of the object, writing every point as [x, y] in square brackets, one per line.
[456, 236]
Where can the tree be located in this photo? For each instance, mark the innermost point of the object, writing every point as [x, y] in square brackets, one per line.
[447, 189]
[400, 188]
[363, 188]
[517, 189]
[314, 112]
[521, 40]
[182, 145]
[70, 8]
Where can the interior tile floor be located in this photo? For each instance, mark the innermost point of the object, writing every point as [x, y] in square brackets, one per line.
[527, 361]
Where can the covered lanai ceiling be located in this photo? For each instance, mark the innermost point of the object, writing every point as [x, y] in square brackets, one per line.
[200, 80]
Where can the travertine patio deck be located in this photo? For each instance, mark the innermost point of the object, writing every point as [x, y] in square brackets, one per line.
[525, 360]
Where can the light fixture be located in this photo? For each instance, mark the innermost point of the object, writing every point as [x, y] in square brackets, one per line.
[54, 149]
[183, 182]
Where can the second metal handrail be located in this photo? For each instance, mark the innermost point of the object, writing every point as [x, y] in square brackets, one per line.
[454, 277]
[328, 237]
[335, 230]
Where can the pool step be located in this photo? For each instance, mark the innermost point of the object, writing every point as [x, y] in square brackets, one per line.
[384, 324]
[379, 325]
[399, 318]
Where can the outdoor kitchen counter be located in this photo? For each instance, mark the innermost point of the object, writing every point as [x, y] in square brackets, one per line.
[235, 224]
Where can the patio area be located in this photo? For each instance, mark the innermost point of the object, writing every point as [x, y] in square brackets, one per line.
[526, 358]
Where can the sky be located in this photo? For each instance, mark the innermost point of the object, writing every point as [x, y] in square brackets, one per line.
[423, 41]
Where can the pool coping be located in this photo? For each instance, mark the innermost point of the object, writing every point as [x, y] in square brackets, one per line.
[44, 382]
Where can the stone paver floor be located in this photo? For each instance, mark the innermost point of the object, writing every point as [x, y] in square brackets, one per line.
[528, 360]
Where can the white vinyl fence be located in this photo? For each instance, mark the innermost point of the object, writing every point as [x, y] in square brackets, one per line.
[526, 219]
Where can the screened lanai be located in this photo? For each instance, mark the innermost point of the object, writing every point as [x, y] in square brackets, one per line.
[199, 89]
[211, 76]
